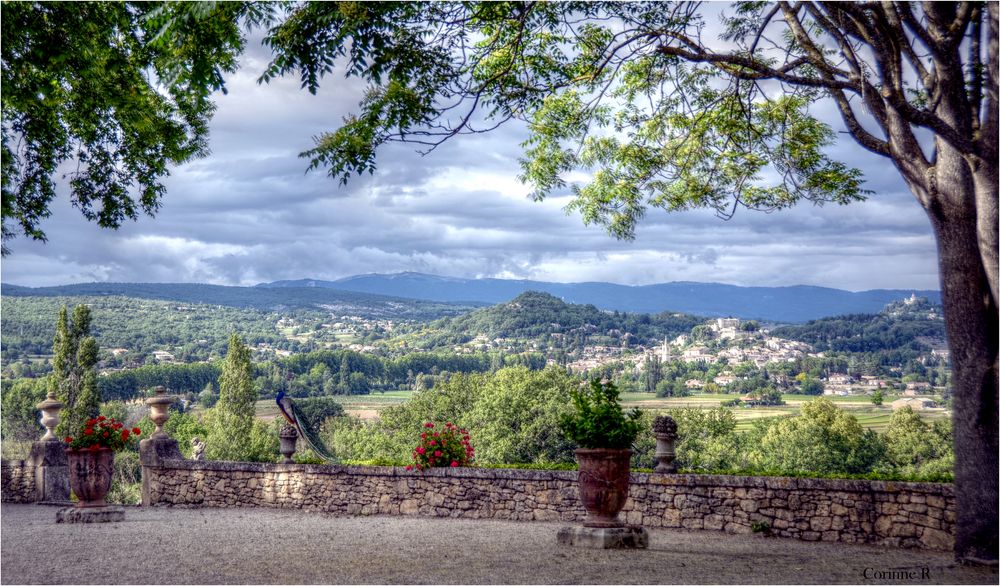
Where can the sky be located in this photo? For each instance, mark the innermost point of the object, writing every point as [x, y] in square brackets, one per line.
[250, 213]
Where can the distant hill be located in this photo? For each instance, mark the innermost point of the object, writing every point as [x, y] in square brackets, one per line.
[361, 304]
[914, 324]
[533, 314]
[781, 304]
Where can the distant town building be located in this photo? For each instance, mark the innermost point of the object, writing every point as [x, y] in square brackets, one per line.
[919, 387]
[840, 379]
[724, 379]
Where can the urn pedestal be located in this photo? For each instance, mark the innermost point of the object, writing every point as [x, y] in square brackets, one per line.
[603, 482]
[90, 474]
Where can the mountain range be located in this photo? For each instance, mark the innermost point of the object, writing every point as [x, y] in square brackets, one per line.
[344, 302]
[794, 304]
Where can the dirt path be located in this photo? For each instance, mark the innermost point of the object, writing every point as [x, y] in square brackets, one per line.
[253, 546]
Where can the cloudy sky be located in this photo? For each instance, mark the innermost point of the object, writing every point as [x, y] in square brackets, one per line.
[250, 213]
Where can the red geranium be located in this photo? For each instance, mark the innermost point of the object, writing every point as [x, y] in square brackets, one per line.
[101, 432]
[450, 447]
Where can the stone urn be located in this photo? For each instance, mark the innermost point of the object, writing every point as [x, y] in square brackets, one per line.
[604, 478]
[287, 437]
[90, 473]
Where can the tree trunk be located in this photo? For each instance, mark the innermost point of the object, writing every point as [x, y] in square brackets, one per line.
[971, 321]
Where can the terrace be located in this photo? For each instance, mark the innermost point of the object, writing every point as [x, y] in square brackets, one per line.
[160, 545]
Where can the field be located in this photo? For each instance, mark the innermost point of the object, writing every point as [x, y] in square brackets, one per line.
[363, 406]
[870, 416]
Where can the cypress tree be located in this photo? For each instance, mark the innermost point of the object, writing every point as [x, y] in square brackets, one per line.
[236, 393]
[231, 421]
[74, 376]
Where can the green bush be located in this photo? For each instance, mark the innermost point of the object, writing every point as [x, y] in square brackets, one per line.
[126, 480]
[598, 421]
[512, 415]
[823, 439]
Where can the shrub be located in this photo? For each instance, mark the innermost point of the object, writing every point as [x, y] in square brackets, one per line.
[448, 447]
[598, 420]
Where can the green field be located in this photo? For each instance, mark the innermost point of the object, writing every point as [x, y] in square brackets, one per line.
[870, 416]
[363, 405]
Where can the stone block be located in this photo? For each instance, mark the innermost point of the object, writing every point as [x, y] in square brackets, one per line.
[628, 537]
[936, 539]
[109, 514]
[820, 524]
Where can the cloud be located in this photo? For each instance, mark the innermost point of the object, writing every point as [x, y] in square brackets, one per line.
[250, 212]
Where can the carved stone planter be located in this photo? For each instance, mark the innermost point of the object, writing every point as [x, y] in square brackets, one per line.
[604, 478]
[90, 473]
[287, 437]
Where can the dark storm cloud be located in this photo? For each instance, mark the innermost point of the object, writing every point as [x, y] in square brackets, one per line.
[250, 212]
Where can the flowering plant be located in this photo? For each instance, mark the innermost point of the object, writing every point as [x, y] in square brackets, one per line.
[102, 432]
[449, 446]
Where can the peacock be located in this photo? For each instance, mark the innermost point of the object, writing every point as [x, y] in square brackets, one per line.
[297, 420]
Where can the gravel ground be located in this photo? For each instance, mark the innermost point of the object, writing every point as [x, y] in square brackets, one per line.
[270, 546]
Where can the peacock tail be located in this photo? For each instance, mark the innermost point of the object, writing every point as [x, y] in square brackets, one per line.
[305, 428]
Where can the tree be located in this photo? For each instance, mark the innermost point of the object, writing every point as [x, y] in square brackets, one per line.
[914, 447]
[632, 93]
[234, 434]
[822, 439]
[236, 393]
[20, 417]
[208, 397]
[516, 416]
[652, 373]
[99, 83]
[809, 385]
[877, 397]
[74, 376]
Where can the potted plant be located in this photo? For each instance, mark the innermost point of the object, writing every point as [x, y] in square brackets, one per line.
[605, 434]
[91, 457]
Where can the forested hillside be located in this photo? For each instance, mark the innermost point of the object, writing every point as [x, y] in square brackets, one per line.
[534, 315]
[193, 331]
[900, 326]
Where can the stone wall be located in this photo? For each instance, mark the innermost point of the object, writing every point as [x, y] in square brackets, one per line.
[17, 481]
[851, 511]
